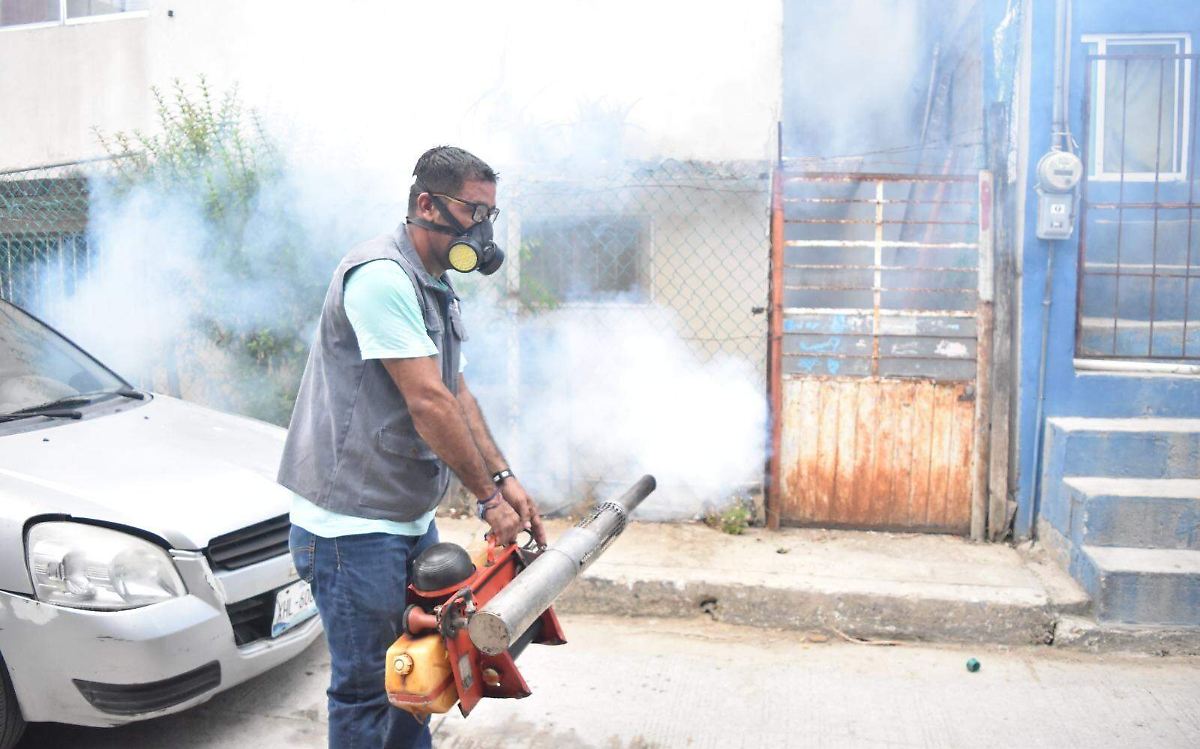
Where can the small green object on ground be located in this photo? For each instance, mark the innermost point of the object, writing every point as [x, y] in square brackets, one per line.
[972, 665]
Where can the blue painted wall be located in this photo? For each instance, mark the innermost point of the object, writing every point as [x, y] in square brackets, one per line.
[1067, 392]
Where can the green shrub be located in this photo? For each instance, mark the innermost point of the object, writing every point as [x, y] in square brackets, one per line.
[214, 156]
[734, 519]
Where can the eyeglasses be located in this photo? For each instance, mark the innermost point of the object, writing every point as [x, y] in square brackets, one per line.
[479, 211]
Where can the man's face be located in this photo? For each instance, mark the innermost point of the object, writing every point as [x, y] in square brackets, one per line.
[472, 192]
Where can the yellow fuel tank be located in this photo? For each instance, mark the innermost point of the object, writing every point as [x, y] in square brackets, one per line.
[418, 677]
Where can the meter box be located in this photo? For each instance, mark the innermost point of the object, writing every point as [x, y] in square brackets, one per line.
[1056, 215]
[1058, 174]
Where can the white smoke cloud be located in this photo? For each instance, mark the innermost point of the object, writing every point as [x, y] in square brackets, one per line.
[839, 89]
[374, 83]
[606, 393]
[354, 96]
[130, 308]
[159, 281]
[609, 391]
[863, 79]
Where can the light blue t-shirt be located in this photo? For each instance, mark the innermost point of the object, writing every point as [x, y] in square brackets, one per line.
[382, 306]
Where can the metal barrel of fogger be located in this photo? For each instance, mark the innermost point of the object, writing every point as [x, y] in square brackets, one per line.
[496, 626]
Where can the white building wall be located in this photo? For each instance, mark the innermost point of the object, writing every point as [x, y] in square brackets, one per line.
[377, 82]
[57, 83]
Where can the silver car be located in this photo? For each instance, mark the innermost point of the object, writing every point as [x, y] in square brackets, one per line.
[143, 543]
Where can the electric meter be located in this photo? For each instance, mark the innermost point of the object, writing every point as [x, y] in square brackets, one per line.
[1058, 174]
[1059, 171]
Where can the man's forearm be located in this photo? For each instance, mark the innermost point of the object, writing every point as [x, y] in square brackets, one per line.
[511, 487]
[443, 425]
[484, 440]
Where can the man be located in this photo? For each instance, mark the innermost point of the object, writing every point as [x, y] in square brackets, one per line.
[382, 417]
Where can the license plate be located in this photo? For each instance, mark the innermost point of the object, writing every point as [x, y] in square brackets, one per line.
[293, 605]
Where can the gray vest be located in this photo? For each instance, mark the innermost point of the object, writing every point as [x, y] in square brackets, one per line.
[351, 446]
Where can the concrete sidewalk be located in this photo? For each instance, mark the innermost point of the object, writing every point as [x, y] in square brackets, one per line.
[838, 584]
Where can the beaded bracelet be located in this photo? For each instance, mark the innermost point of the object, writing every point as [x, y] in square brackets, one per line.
[483, 505]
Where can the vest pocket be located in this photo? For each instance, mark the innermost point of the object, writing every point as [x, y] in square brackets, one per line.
[405, 444]
[403, 473]
[456, 323]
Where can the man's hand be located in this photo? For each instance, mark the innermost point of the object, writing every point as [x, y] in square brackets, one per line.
[505, 522]
[516, 496]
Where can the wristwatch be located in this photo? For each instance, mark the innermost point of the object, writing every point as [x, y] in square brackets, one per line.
[499, 476]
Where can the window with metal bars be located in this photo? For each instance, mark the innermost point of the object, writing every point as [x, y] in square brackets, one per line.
[1139, 263]
[43, 239]
[1138, 123]
[567, 259]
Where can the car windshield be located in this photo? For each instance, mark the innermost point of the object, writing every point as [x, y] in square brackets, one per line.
[37, 365]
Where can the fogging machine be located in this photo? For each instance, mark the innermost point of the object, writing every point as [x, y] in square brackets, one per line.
[471, 614]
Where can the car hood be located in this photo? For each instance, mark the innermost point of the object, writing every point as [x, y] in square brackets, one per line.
[180, 471]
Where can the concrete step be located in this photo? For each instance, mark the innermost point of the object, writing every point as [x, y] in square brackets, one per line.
[1150, 448]
[1136, 513]
[1129, 448]
[1141, 586]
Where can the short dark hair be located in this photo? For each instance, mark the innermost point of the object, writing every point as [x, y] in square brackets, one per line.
[444, 169]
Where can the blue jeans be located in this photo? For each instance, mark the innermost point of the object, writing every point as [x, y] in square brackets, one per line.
[359, 585]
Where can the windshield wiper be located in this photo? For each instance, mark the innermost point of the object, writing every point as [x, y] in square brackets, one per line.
[79, 399]
[50, 414]
[122, 391]
[76, 399]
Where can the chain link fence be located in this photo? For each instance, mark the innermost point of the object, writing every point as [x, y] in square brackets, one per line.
[679, 249]
[657, 273]
[43, 232]
[688, 236]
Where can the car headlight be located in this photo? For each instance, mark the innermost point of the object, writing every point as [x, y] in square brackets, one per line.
[89, 567]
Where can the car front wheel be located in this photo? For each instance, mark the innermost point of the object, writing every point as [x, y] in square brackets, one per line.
[12, 725]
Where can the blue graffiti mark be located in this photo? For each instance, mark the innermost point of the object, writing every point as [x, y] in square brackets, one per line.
[832, 365]
[834, 324]
[800, 326]
[816, 347]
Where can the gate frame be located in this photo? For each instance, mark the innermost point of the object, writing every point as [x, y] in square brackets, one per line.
[985, 274]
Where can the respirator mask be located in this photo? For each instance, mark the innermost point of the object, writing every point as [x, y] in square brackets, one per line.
[472, 248]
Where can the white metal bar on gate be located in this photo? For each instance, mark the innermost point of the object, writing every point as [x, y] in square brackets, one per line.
[877, 293]
[882, 243]
[884, 312]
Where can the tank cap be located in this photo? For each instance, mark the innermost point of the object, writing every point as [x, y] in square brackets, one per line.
[441, 566]
[403, 664]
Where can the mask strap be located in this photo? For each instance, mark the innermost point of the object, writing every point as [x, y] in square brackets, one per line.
[432, 226]
[455, 228]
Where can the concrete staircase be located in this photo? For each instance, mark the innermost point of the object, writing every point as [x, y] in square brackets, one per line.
[1121, 506]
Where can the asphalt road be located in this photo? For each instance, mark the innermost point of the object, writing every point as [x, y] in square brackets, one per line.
[696, 683]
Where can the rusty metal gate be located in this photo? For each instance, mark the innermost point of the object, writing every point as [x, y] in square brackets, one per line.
[880, 323]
